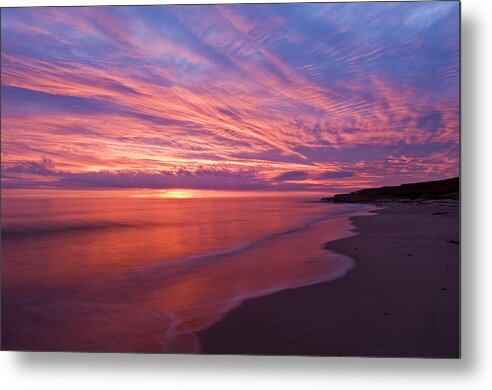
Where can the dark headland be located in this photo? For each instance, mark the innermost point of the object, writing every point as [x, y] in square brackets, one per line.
[400, 300]
[439, 189]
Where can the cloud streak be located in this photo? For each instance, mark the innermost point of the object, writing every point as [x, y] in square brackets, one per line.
[313, 96]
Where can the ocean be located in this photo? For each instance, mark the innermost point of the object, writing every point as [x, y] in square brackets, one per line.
[147, 275]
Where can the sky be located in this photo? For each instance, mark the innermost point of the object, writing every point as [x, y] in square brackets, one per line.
[269, 97]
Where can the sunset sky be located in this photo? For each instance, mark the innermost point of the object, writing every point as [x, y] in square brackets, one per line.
[291, 97]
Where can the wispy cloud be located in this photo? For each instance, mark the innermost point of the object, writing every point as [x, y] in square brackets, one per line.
[310, 96]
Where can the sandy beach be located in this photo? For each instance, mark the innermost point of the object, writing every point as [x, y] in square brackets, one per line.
[400, 300]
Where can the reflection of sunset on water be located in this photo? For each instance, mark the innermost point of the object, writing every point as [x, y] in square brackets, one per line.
[153, 272]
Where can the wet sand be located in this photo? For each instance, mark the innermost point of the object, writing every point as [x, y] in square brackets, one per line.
[400, 300]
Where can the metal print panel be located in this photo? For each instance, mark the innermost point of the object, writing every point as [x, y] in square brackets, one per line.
[273, 179]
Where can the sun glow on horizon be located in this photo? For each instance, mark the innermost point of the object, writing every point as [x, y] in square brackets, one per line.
[175, 194]
[172, 193]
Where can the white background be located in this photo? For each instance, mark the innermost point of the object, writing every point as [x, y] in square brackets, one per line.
[134, 371]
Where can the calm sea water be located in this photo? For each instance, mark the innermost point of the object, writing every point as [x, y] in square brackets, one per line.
[133, 274]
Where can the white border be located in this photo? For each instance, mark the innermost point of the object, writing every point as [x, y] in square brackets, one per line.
[30, 3]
